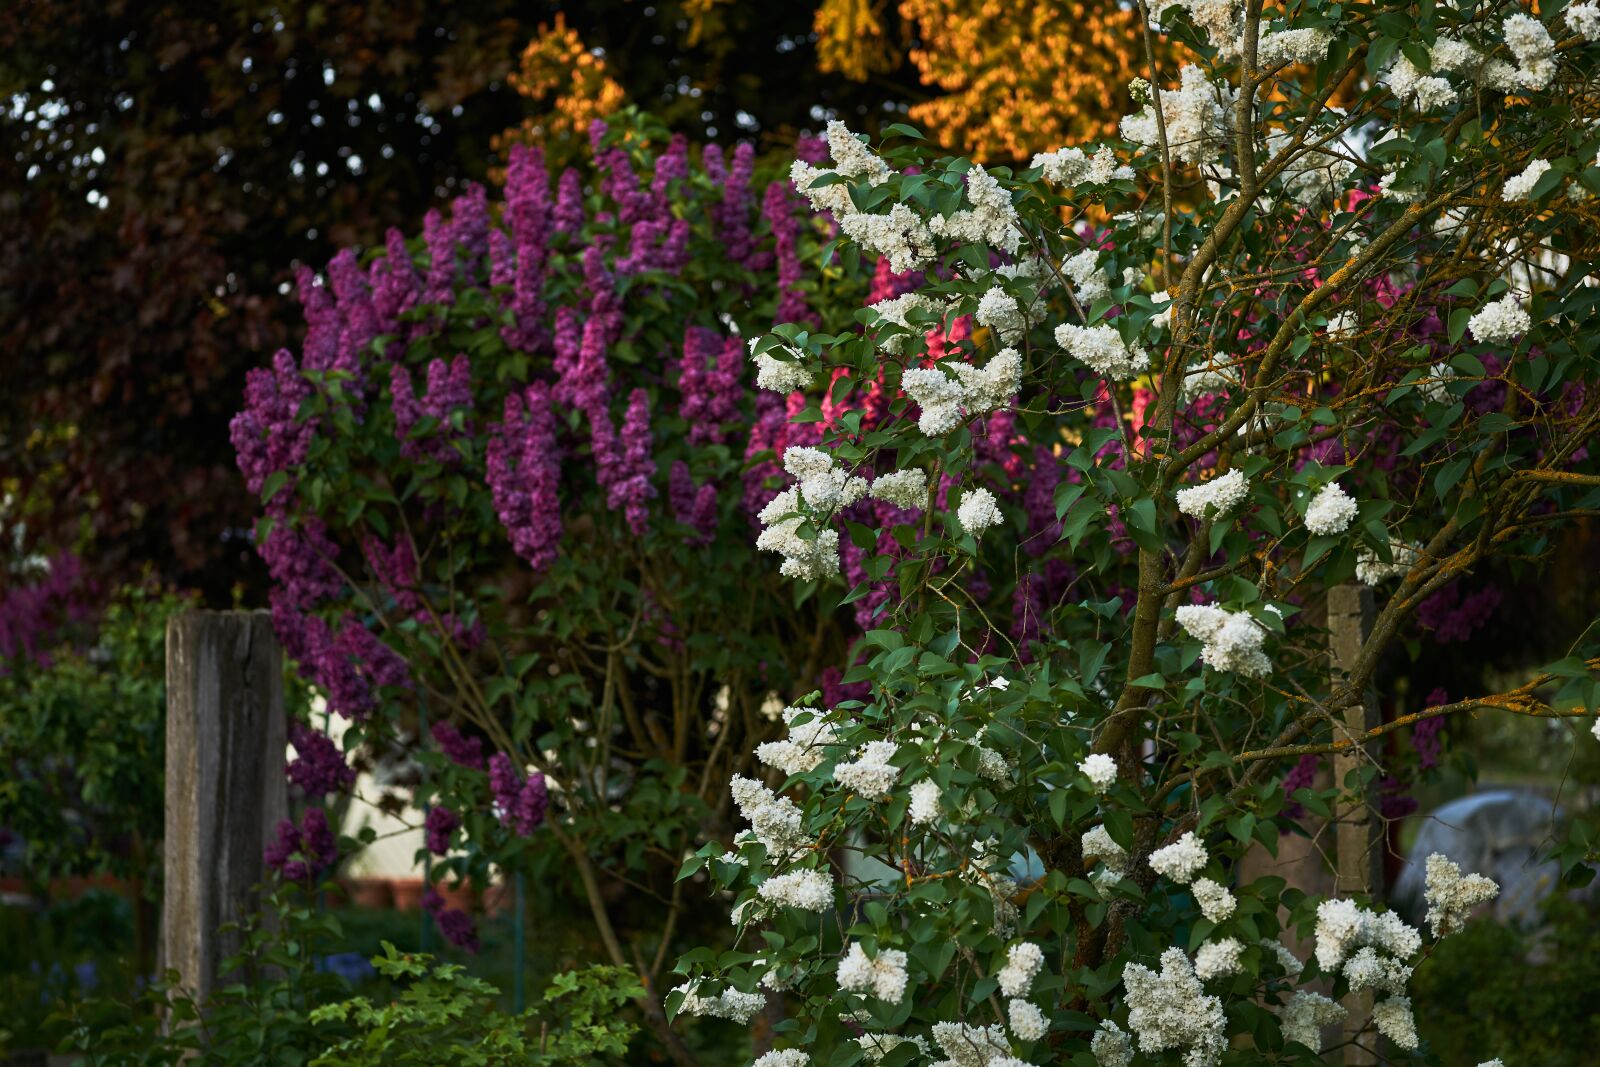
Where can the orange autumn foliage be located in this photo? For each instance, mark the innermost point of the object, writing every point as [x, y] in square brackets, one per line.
[570, 85]
[1015, 78]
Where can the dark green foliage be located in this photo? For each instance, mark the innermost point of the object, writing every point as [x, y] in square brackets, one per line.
[1529, 998]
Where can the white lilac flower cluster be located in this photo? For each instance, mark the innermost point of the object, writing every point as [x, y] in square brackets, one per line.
[1181, 860]
[1113, 858]
[805, 747]
[779, 375]
[728, 1004]
[1452, 896]
[1526, 38]
[884, 975]
[1433, 388]
[999, 311]
[788, 1057]
[1102, 348]
[1111, 1046]
[1218, 959]
[1229, 640]
[851, 159]
[1088, 280]
[877, 1046]
[900, 236]
[1533, 48]
[1370, 570]
[1276, 47]
[822, 483]
[992, 220]
[870, 774]
[1027, 1021]
[1222, 20]
[1070, 166]
[1500, 323]
[1215, 377]
[1331, 511]
[1343, 325]
[1100, 769]
[1369, 948]
[1024, 961]
[1520, 186]
[1171, 1010]
[824, 488]
[978, 511]
[906, 489]
[807, 889]
[1427, 92]
[1344, 925]
[1303, 1016]
[945, 400]
[1196, 116]
[897, 310]
[774, 821]
[924, 808]
[973, 1046]
[1216, 903]
[1214, 499]
[1395, 1021]
[1582, 19]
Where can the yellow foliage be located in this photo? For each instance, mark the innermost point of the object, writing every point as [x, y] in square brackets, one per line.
[1017, 78]
[851, 39]
[569, 81]
[1021, 78]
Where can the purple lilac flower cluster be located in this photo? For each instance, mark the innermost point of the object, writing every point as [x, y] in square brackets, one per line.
[267, 434]
[464, 751]
[694, 506]
[519, 802]
[731, 214]
[300, 853]
[32, 612]
[455, 925]
[708, 381]
[1427, 736]
[449, 390]
[319, 767]
[437, 828]
[523, 470]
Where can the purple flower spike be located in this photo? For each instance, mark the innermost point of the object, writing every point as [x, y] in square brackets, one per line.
[318, 767]
[465, 751]
[523, 469]
[441, 823]
[455, 925]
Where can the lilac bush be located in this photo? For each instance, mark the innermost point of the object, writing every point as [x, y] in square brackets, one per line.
[508, 485]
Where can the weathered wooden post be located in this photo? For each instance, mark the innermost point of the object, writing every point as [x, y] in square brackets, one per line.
[1360, 831]
[225, 782]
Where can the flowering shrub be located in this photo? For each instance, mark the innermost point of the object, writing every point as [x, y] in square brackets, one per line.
[509, 488]
[1322, 362]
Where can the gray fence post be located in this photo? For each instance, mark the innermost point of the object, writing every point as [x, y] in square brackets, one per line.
[225, 782]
